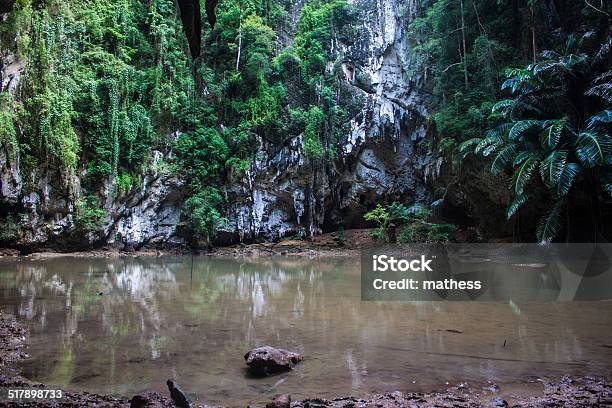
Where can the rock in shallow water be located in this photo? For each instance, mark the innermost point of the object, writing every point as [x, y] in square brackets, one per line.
[282, 401]
[498, 402]
[268, 360]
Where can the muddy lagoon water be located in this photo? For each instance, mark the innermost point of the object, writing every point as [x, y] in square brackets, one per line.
[125, 325]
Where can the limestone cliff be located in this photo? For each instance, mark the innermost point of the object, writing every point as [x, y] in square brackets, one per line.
[284, 192]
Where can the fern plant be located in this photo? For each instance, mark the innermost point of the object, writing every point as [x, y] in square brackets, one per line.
[557, 125]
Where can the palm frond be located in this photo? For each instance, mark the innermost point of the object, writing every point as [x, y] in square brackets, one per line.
[516, 204]
[592, 148]
[551, 223]
[502, 105]
[570, 61]
[552, 167]
[500, 131]
[550, 54]
[552, 134]
[566, 178]
[522, 126]
[489, 149]
[603, 78]
[603, 91]
[603, 53]
[509, 83]
[502, 159]
[495, 139]
[521, 157]
[605, 181]
[522, 175]
[520, 80]
[601, 118]
[570, 44]
[587, 37]
[551, 66]
[468, 146]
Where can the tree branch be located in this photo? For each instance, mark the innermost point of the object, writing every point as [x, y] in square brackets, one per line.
[595, 8]
[452, 65]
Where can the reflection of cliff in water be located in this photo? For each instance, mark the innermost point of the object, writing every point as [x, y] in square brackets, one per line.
[126, 325]
[125, 295]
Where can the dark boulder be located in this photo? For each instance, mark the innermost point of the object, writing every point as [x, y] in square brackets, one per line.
[138, 401]
[269, 360]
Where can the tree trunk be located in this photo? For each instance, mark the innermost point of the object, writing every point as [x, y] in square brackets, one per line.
[465, 73]
[533, 29]
[239, 49]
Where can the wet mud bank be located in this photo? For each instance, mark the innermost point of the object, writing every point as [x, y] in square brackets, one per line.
[560, 392]
[331, 244]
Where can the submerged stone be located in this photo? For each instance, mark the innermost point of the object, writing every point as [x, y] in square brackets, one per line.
[282, 401]
[269, 360]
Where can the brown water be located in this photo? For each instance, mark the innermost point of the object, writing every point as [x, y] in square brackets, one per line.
[162, 318]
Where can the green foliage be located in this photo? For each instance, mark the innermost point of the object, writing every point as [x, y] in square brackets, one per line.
[89, 216]
[396, 222]
[203, 216]
[315, 31]
[381, 217]
[8, 134]
[419, 232]
[103, 81]
[315, 119]
[202, 154]
[126, 181]
[9, 229]
[258, 40]
[340, 236]
[556, 125]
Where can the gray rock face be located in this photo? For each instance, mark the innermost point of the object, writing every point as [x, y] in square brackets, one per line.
[284, 192]
[11, 69]
[268, 360]
[150, 214]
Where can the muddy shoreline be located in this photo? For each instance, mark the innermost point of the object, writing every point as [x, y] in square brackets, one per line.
[560, 392]
[323, 245]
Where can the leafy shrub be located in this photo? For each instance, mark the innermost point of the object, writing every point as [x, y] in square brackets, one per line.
[411, 222]
[339, 237]
[421, 231]
[203, 217]
[89, 216]
[315, 119]
[8, 135]
[202, 154]
[380, 216]
[9, 229]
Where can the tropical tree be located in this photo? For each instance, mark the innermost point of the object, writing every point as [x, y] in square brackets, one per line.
[558, 123]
